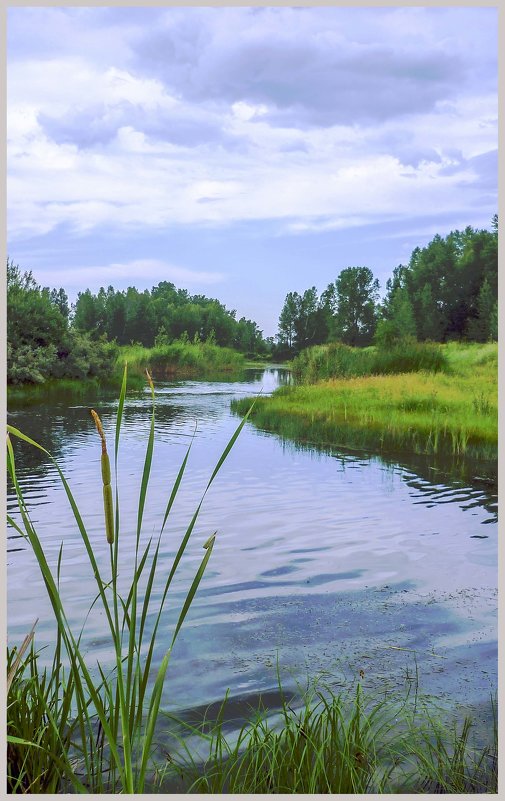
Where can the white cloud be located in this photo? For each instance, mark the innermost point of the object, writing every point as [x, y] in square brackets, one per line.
[139, 271]
[204, 120]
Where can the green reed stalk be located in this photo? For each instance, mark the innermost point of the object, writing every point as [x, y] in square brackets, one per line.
[121, 700]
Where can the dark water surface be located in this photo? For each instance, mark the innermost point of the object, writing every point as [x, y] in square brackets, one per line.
[332, 563]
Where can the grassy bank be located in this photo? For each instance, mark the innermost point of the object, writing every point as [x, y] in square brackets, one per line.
[69, 388]
[451, 409]
[177, 360]
[181, 359]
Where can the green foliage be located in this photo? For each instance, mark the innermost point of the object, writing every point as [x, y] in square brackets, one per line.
[448, 290]
[162, 316]
[400, 323]
[452, 286]
[121, 698]
[40, 343]
[181, 358]
[302, 322]
[343, 361]
[39, 723]
[422, 412]
[356, 295]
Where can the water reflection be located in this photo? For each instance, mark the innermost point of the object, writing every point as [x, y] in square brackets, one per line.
[320, 555]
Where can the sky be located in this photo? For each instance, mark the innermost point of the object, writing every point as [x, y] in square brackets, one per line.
[243, 153]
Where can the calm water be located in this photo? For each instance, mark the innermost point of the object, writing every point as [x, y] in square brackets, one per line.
[331, 563]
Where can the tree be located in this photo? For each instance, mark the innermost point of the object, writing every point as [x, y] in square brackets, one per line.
[398, 320]
[310, 322]
[287, 319]
[357, 293]
[60, 299]
[483, 327]
[87, 315]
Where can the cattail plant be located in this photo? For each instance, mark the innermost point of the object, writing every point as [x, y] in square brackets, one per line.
[107, 489]
[125, 697]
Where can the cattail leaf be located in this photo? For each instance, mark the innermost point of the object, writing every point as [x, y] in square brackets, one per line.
[230, 445]
[119, 416]
[192, 590]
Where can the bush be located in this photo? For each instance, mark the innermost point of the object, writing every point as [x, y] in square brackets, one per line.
[336, 360]
[29, 365]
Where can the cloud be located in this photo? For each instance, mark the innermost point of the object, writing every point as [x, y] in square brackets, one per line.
[319, 67]
[140, 271]
[312, 118]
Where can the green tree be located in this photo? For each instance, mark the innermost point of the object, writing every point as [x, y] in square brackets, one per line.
[60, 299]
[357, 293]
[398, 322]
[483, 327]
[286, 329]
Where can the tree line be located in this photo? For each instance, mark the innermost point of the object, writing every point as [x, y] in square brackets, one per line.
[162, 315]
[49, 338]
[447, 291]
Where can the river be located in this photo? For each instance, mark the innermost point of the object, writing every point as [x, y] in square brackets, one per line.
[329, 563]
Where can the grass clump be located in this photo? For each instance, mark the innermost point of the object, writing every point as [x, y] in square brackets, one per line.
[109, 711]
[452, 412]
[181, 359]
[333, 744]
[336, 360]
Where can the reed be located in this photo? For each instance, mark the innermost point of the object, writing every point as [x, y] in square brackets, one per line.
[181, 359]
[114, 706]
[452, 412]
[333, 744]
[336, 360]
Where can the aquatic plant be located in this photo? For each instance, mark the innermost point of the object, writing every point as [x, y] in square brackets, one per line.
[418, 412]
[115, 706]
[330, 743]
[179, 358]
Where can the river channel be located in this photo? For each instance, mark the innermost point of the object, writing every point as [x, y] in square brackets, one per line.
[327, 563]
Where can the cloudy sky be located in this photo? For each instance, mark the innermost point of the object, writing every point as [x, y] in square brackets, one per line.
[244, 152]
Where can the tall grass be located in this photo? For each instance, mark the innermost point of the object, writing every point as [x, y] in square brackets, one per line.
[336, 360]
[333, 744]
[184, 359]
[452, 412]
[40, 725]
[114, 706]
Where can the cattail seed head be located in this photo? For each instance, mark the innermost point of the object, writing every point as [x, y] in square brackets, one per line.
[107, 489]
[105, 467]
[99, 428]
[109, 513]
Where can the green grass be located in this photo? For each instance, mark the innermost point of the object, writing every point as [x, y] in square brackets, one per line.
[342, 361]
[452, 412]
[181, 359]
[177, 360]
[114, 706]
[334, 744]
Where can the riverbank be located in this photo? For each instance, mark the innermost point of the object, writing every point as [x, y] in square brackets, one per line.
[181, 359]
[178, 360]
[452, 412]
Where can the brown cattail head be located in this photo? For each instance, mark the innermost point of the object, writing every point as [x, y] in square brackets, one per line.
[149, 378]
[99, 428]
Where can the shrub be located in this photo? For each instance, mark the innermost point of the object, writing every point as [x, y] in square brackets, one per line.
[336, 360]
